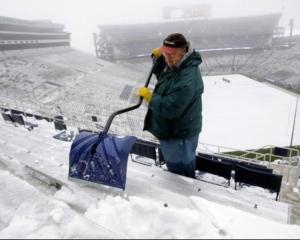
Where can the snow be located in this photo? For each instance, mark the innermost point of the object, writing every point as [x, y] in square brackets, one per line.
[156, 203]
[246, 114]
[28, 213]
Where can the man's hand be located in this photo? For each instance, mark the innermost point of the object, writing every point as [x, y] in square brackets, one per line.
[156, 53]
[145, 93]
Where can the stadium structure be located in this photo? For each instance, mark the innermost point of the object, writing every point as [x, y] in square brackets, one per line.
[253, 46]
[24, 34]
[210, 35]
[43, 78]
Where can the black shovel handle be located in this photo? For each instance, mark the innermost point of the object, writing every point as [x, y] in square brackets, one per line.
[111, 117]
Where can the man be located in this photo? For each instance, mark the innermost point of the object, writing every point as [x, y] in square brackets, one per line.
[175, 107]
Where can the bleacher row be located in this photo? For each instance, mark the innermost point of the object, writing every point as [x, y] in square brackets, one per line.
[20, 118]
[276, 65]
[242, 172]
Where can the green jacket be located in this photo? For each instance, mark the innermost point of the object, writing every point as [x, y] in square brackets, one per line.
[175, 110]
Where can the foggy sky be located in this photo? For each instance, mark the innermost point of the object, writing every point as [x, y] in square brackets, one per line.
[82, 16]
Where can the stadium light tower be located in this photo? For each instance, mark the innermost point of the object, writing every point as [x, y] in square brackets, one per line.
[295, 116]
[291, 32]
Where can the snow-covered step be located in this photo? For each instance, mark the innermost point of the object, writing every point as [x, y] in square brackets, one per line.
[10, 151]
[162, 185]
[23, 204]
[40, 163]
[10, 132]
[29, 155]
[268, 208]
[151, 182]
[22, 143]
[27, 144]
[32, 140]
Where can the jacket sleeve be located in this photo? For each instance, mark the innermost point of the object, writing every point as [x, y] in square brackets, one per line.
[178, 97]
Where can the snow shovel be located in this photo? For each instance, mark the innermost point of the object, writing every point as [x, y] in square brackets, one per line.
[102, 158]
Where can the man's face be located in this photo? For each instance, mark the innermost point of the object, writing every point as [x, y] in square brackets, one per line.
[174, 57]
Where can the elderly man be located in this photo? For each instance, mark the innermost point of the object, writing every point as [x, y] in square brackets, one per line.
[175, 107]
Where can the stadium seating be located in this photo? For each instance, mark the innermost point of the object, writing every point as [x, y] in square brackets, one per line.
[244, 172]
[6, 116]
[115, 41]
[94, 119]
[144, 149]
[255, 167]
[59, 123]
[233, 162]
[65, 136]
[19, 34]
[16, 112]
[258, 178]
[278, 151]
[18, 118]
[221, 169]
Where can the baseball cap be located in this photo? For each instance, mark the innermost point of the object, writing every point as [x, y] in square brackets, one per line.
[173, 41]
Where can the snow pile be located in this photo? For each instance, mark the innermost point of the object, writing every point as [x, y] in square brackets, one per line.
[29, 213]
[156, 204]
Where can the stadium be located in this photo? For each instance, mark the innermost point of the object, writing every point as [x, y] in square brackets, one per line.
[49, 92]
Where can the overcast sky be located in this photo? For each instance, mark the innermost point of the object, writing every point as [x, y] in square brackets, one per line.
[82, 16]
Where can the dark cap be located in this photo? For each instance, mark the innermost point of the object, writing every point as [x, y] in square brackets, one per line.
[176, 40]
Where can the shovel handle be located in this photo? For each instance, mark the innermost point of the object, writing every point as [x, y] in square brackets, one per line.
[112, 116]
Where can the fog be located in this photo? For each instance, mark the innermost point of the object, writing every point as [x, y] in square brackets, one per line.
[82, 16]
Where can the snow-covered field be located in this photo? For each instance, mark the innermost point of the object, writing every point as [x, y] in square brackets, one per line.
[246, 114]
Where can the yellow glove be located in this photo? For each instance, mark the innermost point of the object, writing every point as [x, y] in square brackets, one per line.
[156, 53]
[145, 93]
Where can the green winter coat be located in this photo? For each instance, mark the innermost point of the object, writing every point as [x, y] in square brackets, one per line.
[175, 111]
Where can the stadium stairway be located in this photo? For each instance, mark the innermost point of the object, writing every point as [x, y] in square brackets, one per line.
[47, 158]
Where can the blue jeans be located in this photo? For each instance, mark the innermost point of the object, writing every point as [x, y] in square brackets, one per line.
[180, 155]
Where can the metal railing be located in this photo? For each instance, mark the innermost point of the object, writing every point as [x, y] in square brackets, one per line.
[224, 151]
[289, 167]
[268, 156]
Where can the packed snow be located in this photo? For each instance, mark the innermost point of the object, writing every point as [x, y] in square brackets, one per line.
[28, 213]
[155, 204]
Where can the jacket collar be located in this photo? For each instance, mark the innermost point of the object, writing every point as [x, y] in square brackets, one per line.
[184, 57]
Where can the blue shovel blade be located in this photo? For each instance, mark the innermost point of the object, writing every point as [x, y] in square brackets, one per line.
[101, 161]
